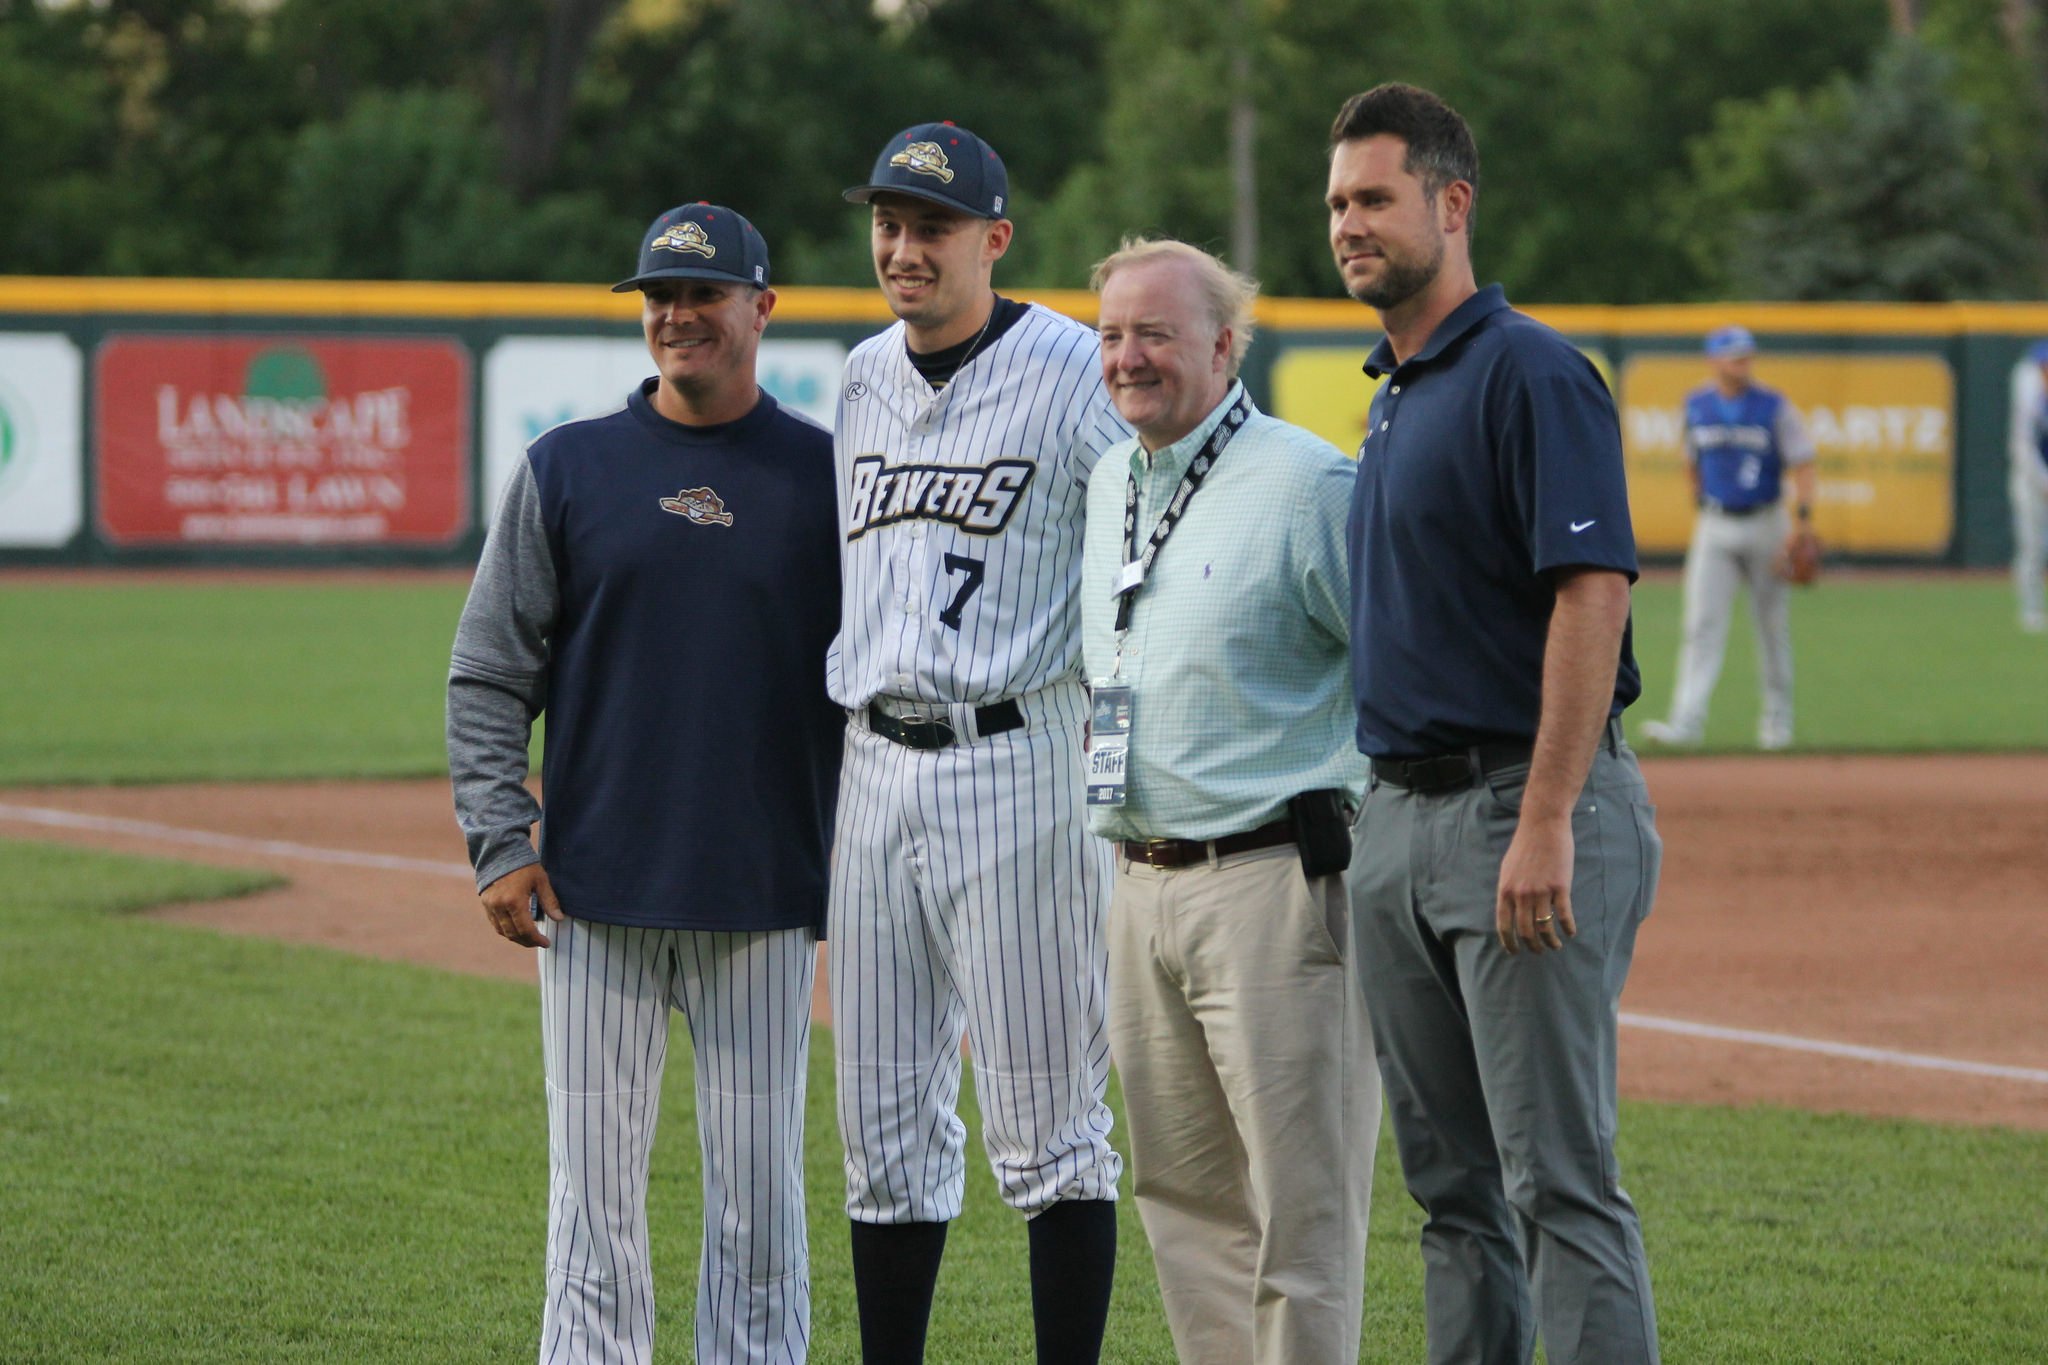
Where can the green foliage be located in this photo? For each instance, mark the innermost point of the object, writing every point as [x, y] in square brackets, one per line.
[1858, 190]
[225, 1149]
[1631, 153]
[55, 204]
[1884, 183]
[403, 186]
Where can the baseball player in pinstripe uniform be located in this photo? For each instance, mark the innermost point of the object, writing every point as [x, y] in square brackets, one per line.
[967, 893]
[663, 581]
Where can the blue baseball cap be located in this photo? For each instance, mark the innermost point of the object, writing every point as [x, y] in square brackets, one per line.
[1730, 341]
[943, 163]
[2038, 353]
[701, 242]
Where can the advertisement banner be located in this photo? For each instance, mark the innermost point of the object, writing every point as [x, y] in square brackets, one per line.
[41, 461]
[532, 383]
[1325, 389]
[285, 440]
[1883, 429]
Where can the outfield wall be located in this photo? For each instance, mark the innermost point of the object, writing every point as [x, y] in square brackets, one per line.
[237, 421]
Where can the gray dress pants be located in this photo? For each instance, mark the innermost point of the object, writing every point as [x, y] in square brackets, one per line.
[1500, 1071]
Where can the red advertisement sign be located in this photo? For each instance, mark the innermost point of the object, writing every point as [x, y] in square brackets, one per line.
[282, 440]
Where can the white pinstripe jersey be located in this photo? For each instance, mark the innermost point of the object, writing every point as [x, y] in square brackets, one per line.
[961, 513]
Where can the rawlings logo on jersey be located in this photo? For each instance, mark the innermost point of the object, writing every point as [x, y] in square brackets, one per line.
[702, 506]
[926, 159]
[977, 500]
[685, 237]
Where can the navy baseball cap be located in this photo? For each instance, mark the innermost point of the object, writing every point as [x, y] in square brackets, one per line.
[1730, 341]
[943, 163]
[701, 242]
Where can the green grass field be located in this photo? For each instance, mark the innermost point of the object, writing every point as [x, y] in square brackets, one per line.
[124, 683]
[223, 1149]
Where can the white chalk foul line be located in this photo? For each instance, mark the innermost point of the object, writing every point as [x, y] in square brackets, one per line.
[1791, 1043]
[280, 848]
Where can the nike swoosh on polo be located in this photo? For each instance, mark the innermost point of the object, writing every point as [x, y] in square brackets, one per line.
[1579, 526]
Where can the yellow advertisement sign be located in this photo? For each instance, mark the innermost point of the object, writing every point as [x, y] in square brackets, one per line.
[1324, 388]
[1883, 429]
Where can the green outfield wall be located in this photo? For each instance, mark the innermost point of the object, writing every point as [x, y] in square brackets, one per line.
[295, 422]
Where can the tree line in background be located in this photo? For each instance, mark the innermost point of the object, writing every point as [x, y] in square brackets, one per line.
[1631, 150]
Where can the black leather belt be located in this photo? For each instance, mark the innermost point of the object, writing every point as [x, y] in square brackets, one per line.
[1185, 852]
[1725, 510]
[1447, 772]
[936, 732]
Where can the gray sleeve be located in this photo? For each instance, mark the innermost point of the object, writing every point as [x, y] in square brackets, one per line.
[497, 683]
[1793, 442]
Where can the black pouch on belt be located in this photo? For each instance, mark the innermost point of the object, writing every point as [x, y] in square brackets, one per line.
[1322, 831]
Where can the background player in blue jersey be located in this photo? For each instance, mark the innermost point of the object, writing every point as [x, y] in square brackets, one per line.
[663, 582]
[1743, 441]
[2029, 442]
[967, 893]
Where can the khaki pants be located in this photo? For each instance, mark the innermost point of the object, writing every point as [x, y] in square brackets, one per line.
[1239, 1027]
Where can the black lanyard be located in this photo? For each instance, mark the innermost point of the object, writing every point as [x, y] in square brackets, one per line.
[1126, 593]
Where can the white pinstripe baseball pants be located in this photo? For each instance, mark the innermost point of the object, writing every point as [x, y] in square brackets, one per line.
[606, 992]
[967, 893]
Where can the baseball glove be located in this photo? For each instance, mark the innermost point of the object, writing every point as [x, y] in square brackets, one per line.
[1798, 558]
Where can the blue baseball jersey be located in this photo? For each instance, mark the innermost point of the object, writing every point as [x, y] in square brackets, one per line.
[1491, 459]
[667, 595]
[1741, 445]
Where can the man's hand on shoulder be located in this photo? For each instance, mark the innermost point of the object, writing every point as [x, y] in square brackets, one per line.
[510, 901]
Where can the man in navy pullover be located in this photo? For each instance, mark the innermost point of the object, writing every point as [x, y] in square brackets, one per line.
[663, 582]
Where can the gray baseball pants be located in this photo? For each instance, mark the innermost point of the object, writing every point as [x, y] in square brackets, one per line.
[1727, 554]
[1500, 1070]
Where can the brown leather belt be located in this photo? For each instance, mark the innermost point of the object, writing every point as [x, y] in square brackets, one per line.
[1186, 852]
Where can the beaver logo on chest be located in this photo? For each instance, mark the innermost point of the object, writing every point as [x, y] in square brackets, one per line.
[700, 505]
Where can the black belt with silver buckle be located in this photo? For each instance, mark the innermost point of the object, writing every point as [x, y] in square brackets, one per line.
[1447, 772]
[1184, 852]
[936, 732]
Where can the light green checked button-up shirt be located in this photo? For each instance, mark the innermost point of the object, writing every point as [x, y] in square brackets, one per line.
[1238, 652]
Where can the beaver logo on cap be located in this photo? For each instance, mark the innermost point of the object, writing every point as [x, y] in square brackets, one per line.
[685, 236]
[926, 159]
[700, 505]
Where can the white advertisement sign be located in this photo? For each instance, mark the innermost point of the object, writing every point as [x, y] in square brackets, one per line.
[534, 383]
[41, 459]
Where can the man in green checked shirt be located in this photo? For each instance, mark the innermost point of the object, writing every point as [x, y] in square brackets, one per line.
[1216, 613]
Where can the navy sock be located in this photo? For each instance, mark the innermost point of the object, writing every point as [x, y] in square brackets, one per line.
[895, 1269]
[1073, 1264]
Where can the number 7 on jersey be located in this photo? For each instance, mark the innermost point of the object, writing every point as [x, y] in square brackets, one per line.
[973, 569]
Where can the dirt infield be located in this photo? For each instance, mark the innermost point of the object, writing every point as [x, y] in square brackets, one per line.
[1898, 905]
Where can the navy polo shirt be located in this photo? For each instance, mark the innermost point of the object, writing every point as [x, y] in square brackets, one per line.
[1491, 458]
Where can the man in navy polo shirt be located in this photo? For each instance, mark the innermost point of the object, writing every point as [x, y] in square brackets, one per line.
[1505, 853]
[664, 582]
